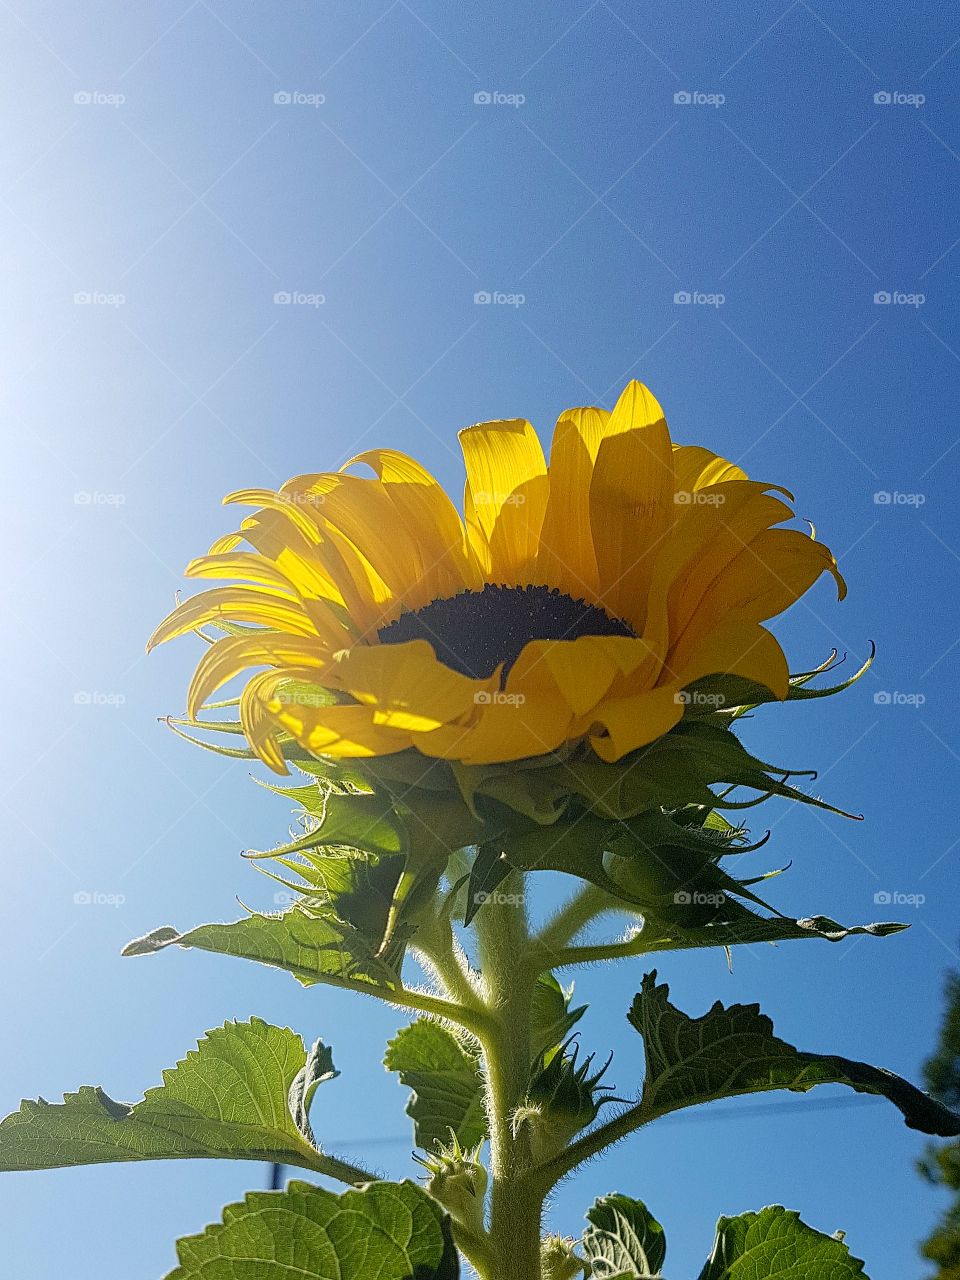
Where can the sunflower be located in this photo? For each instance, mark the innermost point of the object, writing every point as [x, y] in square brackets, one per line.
[573, 602]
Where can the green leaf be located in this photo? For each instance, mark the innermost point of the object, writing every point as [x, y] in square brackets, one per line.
[447, 1087]
[745, 927]
[551, 1018]
[308, 940]
[734, 1051]
[623, 1239]
[387, 1231]
[775, 1245]
[242, 1094]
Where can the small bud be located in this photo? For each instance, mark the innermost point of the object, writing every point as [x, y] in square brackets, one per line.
[561, 1101]
[558, 1260]
[459, 1181]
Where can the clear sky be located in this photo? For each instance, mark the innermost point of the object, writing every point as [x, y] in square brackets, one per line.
[149, 166]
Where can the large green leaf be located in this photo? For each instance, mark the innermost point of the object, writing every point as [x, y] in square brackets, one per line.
[447, 1088]
[309, 940]
[775, 1245]
[387, 1231]
[242, 1094]
[733, 1050]
[623, 1239]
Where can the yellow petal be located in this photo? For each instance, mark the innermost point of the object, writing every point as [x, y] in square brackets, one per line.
[738, 646]
[430, 521]
[228, 657]
[406, 685]
[235, 604]
[339, 731]
[260, 728]
[634, 721]
[765, 578]
[566, 558]
[631, 502]
[695, 468]
[585, 668]
[505, 498]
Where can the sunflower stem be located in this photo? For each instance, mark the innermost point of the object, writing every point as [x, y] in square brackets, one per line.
[516, 1202]
[587, 904]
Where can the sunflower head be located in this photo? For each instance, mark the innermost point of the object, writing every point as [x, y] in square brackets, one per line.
[551, 673]
[575, 604]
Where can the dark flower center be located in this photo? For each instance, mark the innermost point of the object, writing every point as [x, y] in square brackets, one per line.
[475, 631]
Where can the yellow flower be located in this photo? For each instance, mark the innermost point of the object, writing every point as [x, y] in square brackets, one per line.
[574, 601]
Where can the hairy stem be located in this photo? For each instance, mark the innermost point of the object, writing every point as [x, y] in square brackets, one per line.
[585, 906]
[516, 1202]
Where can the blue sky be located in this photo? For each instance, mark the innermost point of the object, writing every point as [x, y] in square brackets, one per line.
[156, 196]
